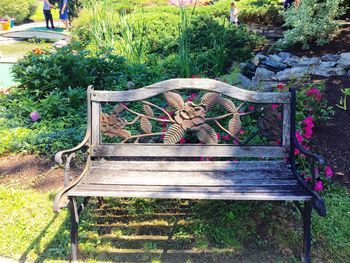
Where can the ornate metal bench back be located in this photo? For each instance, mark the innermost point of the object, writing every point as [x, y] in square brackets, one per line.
[189, 117]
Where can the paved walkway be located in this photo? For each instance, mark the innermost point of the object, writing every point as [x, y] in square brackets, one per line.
[37, 30]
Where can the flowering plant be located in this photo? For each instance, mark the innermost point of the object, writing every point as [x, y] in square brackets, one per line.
[311, 109]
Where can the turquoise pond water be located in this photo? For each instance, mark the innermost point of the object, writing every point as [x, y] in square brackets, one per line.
[6, 79]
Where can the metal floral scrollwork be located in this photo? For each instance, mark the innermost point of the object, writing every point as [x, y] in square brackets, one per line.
[188, 117]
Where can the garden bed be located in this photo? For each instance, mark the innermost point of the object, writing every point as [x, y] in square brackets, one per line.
[333, 138]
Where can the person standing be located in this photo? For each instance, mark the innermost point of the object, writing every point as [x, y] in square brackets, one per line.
[63, 4]
[47, 13]
[234, 13]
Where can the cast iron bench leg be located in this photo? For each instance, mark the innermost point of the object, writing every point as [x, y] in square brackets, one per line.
[307, 231]
[74, 229]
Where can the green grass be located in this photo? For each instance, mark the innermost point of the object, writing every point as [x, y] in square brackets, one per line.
[19, 49]
[30, 230]
[39, 15]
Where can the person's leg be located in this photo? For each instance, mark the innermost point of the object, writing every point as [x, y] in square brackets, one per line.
[51, 21]
[46, 15]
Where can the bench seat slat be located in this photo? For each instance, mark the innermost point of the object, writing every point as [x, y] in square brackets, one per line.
[243, 180]
[187, 150]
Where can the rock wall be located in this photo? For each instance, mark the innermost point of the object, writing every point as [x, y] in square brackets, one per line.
[265, 72]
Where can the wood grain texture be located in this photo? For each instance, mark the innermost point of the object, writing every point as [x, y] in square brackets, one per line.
[95, 123]
[286, 125]
[200, 84]
[187, 150]
[244, 180]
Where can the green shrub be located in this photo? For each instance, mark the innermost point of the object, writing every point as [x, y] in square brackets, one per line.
[216, 44]
[20, 10]
[312, 22]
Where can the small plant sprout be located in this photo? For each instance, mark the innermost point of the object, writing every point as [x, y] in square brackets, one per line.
[342, 103]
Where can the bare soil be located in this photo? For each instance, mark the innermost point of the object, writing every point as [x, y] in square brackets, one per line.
[339, 45]
[30, 172]
[332, 139]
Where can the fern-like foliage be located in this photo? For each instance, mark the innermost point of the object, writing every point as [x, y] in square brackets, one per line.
[210, 99]
[206, 134]
[174, 134]
[174, 100]
[146, 125]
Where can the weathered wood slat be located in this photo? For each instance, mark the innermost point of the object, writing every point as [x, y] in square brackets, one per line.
[224, 189]
[286, 125]
[95, 125]
[200, 84]
[191, 195]
[188, 166]
[175, 179]
[187, 150]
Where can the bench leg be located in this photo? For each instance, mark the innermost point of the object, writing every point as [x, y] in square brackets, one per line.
[74, 229]
[307, 231]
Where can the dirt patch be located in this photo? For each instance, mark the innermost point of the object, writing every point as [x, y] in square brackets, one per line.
[30, 172]
[333, 138]
[338, 45]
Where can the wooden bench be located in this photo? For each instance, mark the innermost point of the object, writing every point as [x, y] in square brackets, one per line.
[136, 148]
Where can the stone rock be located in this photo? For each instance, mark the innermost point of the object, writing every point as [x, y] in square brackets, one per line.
[292, 61]
[265, 74]
[276, 58]
[344, 61]
[292, 72]
[258, 59]
[258, 84]
[331, 57]
[306, 61]
[327, 64]
[268, 85]
[274, 64]
[285, 55]
[244, 81]
[248, 69]
[328, 72]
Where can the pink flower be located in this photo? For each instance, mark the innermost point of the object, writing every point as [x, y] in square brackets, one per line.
[195, 76]
[182, 140]
[309, 121]
[241, 132]
[235, 142]
[218, 136]
[202, 158]
[251, 108]
[280, 86]
[308, 132]
[278, 142]
[189, 99]
[299, 137]
[34, 115]
[226, 137]
[296, 151]
[328, 171]
[193, 95]
[274, 106]
[319, 186]
[313, 92]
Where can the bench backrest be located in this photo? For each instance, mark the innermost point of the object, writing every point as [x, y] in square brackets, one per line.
[152, 121]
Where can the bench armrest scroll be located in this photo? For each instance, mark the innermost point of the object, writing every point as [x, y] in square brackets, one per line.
[58, 156]
[314, 156]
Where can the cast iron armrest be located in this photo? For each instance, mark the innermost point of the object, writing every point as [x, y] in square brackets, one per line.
[315, 161]
[314, 156]
[58, 156]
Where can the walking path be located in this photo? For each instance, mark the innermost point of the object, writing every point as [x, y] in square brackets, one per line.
[35, 30]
